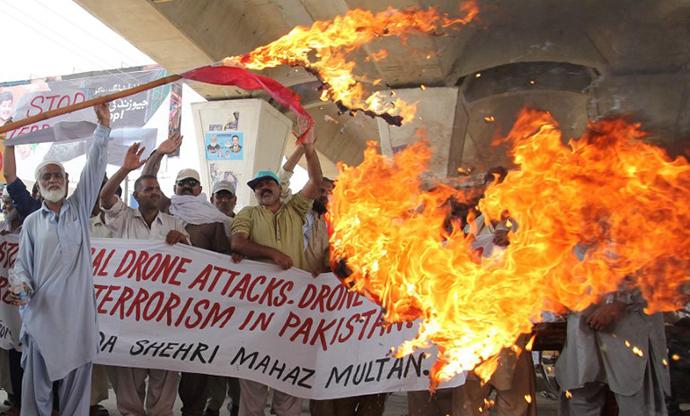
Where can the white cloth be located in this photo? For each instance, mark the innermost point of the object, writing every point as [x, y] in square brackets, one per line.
[54, 260]
[253, 400]
[607, 356]
[196, 210]
[127, 222]
[484, 234]
[37, 389]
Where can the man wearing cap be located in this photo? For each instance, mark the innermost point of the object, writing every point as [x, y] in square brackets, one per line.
[59, 325]
[206, 228]
[144, 223]
[224, 198]
[272, 232]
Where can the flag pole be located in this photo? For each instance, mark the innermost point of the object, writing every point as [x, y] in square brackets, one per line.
[89, 103]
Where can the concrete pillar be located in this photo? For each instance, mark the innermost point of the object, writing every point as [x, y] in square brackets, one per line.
[441, 119]
[462, 132]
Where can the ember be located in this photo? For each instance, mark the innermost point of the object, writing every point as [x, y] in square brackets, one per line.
[623, 199]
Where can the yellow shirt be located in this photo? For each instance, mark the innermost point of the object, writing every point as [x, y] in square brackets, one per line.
[282, 230]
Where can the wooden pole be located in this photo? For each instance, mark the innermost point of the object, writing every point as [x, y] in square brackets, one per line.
[90, 103]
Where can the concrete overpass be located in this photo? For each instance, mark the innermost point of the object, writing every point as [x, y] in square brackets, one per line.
[581, 60]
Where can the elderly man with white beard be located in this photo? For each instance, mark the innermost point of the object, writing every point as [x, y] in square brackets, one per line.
[12, 222]
[59, 325]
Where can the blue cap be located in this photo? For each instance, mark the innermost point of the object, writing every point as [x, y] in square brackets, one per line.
[260, 175]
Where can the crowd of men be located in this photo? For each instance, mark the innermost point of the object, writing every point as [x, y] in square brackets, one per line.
[289, 230]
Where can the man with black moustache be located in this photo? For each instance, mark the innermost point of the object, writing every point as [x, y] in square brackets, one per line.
[272, 232]
[146, 222]
[206, 227]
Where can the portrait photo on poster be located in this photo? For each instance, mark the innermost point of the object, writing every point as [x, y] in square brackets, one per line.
[234, 123]
[224, 146]
[218, 174]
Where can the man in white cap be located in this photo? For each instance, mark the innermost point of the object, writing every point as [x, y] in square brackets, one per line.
[224, 198]
[59, 325]
[206, 228]
[272, 232]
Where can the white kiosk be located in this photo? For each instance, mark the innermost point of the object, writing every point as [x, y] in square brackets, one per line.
[236, 139]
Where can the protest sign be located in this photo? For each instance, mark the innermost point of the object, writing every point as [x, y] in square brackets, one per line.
[68, 136]
[187, 309]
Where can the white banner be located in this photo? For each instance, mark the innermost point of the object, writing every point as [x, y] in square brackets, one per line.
[186, 309]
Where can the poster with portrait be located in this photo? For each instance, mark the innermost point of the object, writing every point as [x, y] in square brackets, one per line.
[224, 146]
[219, 173]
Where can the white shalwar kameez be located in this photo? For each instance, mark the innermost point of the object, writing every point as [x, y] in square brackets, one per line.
[59, 325]
[629, 356]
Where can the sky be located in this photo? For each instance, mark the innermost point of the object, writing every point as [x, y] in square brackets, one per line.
[57, 37]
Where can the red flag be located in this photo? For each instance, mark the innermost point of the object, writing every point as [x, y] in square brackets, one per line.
[226, 75]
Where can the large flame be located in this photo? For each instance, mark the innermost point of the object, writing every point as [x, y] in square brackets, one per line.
[622, 199]
[324, 49]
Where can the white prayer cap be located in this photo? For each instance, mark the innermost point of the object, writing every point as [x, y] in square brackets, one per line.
[46, 163]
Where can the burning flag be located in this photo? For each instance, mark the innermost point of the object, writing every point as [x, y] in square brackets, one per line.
[323, 50]
[624, 200]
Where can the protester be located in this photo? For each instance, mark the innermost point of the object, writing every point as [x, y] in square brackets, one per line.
[514, 380]
[206, 227]
[99, 375]
[315, 230]
[144, 223]
[680, 368]
[24, 202]
[12, 372]
[317, 254]
[598, 353]
[218, 388]
[54, 264]
[272, 232]
[12, 222]
[423, 403]
[224, 198]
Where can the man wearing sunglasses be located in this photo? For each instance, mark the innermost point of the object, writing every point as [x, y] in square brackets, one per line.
[206, 227]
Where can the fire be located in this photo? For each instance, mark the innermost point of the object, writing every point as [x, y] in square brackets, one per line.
[324, 49]
[623, 200]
